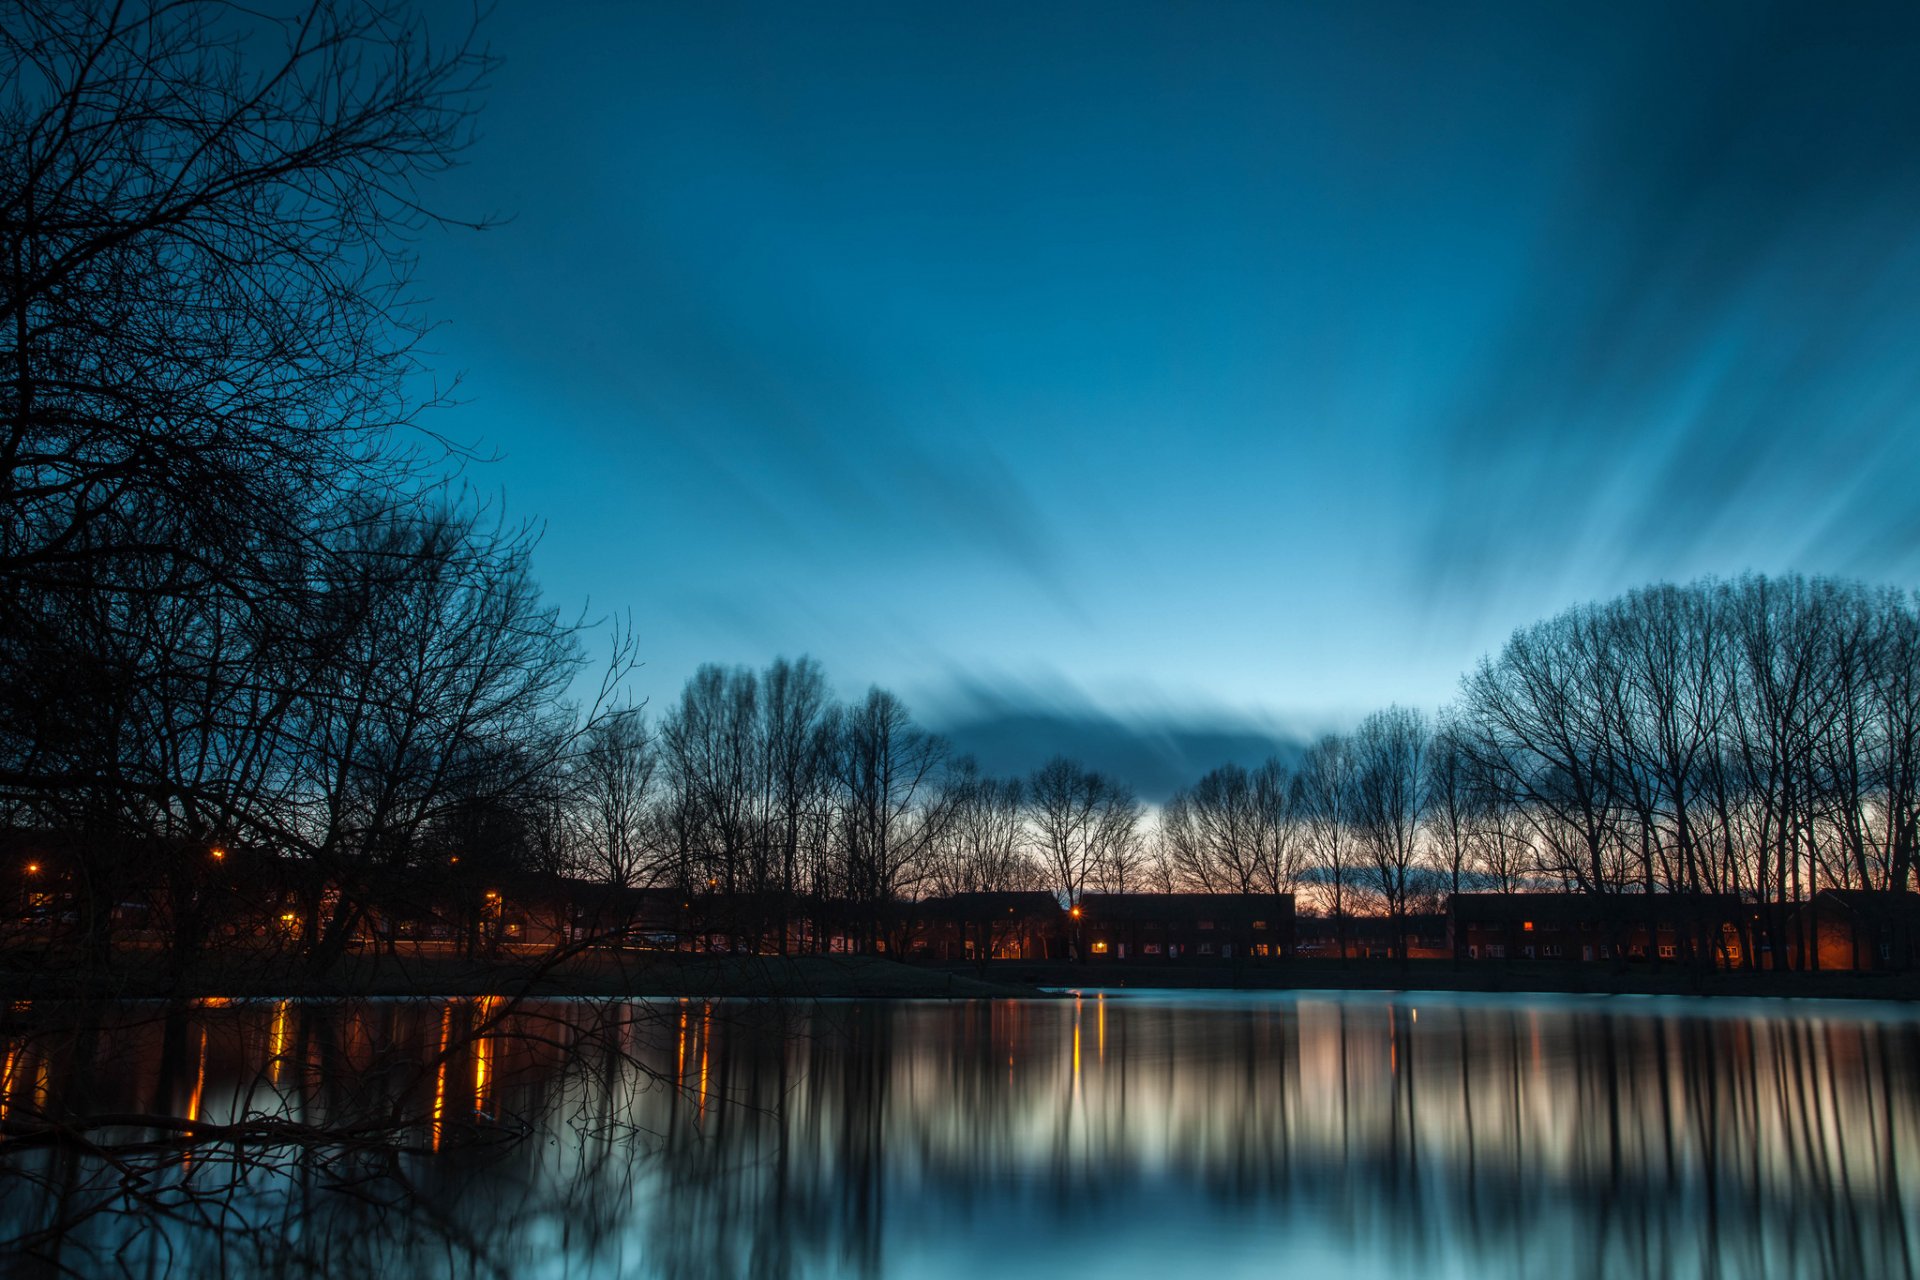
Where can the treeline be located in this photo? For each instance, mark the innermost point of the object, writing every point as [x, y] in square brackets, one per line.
[760, 784]
[1757, 738]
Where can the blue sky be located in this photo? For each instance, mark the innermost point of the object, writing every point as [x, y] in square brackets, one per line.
[1189, 366]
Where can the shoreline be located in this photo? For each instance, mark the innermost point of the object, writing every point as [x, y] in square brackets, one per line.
[1481, 977]
[612, 974]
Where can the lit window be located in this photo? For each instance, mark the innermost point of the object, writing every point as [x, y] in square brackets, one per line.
[1668, 951]
[1260, 924]
[1152, 949]
[1099, 948]
[1527, 925]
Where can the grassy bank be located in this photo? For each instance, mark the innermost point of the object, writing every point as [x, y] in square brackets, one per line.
[590, 973]
[1445, 975]
[29, 976]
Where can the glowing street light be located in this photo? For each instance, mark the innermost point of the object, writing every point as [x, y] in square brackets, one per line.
[33, 868]
[219, 854]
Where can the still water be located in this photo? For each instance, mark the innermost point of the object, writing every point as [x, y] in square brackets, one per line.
[1130, 1135]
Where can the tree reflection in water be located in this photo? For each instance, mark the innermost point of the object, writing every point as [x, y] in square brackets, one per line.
[1133, 1135]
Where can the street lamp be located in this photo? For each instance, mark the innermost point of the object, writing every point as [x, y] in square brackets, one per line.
[219, 854]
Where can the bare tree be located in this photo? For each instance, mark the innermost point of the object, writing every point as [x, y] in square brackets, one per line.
[615, 780]
[1079, 818]
[1216, 833]
[206, 235]
[1391, 751]
[1329, 786]
[893, 813]
[984, 847]
[436, 679]
[711, 743]
[1276, 801]
[797, 727]
[1452, 805]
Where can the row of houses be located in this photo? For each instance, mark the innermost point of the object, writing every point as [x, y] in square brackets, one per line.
[1839, 929]
[283, 900]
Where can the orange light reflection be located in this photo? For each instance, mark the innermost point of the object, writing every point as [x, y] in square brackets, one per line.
[440, 1079]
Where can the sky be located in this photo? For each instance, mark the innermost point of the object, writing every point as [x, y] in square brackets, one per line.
[1167, 382]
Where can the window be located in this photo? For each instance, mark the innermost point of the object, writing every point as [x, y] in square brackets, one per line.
[1527, 926]
[1206, 948]
[1151, 949]
[1206, 924]
[1496, 950]
[1551, 949]
[1261, 949]
[1099, 948]
[1668, 951]
[1260, 925]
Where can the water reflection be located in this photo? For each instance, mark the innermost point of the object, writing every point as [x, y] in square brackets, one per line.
[1129, 1136]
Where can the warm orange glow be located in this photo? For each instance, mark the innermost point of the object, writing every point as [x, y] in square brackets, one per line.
[706, 1035]
[1527, 925]
[277, 1041]
[454, 860]
[492, 896]
[214, 1002]
[33, 868]
[1076, 1042]
[440, 1080]
[199, 1090]
[1076, 913]
[218, 853]
[680, 1069]
[483, 1059]
[6, 1081]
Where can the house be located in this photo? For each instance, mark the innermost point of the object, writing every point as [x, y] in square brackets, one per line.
[1414, 936]
[990, 926]
[1605, 927]
[1865, 929]
[1184, 926]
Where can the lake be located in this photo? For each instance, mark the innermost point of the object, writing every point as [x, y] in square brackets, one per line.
[1132, 1134]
